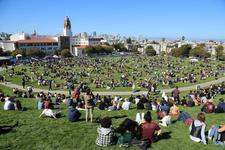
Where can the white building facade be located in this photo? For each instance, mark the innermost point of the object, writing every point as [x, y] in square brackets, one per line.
[7, 45]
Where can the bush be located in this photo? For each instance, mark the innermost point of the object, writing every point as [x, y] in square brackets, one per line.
[120, 47]
[98, 49]
[35, 53]
[65, 53]
[19, 51]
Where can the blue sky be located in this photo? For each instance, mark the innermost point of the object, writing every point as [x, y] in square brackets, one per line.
[153, 18]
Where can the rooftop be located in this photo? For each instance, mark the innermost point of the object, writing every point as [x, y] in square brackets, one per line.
[37, 41]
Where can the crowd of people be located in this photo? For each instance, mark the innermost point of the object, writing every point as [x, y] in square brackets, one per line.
[147, 73]
[141, 132]
[133, 72]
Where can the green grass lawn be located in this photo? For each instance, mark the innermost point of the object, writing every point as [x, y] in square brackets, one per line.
[46, 133]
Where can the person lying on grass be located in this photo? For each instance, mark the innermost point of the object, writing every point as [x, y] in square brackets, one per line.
[50, 113]
[185, 117]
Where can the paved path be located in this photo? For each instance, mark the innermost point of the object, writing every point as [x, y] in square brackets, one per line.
[193, 87]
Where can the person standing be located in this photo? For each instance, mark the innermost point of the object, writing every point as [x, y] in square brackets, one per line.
[50, 85]
[176, 95]
[133, 87]
[88, 99]
[23, 81]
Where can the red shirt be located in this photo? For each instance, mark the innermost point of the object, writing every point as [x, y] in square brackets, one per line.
[46, 104]
[76, 94]
[176, 93]
[148, 130]
[208, 108]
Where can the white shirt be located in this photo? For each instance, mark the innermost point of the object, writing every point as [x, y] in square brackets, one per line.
[139, 117]
[166, 120]
[204, 99]
[136, 100]
[6, 105]
[48, 113]
[126, 105]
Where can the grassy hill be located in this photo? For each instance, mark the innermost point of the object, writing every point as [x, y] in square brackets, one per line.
[47, 134]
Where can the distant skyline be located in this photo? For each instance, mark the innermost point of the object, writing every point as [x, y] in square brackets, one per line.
[194, 19]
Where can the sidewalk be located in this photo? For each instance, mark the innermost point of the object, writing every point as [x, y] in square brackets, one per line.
[188, 88]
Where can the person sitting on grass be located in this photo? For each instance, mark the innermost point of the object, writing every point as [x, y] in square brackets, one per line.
[48, 103]
[73, 113]
[18, 106]
[166, 120]
[217, 134]
[106, 134]
[40, 103]
[8, 104]
[197, 129]
[125, 132]
[2, 97]
[174, 110]
[140, 105]
[50, 113]
[191, 102]
[126, 105]
[148, 130]
[163, 107]
[209, 107]
[220, 107]
[183, 101]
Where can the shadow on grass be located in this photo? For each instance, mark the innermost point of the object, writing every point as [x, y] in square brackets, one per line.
[5, 131]
[165, 135]
[173, 121]
[118, 117]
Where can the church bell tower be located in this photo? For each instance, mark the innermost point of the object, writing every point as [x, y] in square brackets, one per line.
[67, 27]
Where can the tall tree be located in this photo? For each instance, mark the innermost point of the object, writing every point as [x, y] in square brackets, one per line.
[200, 51]
[129, 41]
[120, 47]
[150, 51]
[182, 51]
[219, 52]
